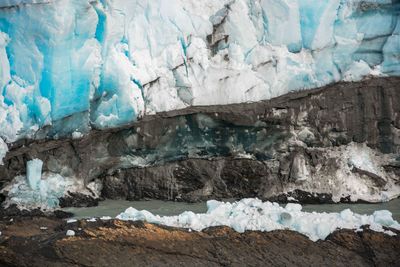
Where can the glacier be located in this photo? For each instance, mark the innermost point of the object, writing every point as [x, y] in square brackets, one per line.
[106, 63]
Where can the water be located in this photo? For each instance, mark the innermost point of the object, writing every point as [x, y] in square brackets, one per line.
[114, 207]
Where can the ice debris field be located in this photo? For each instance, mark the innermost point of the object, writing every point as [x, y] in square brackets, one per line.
[73, 65]
[255, 215]
[42, 190]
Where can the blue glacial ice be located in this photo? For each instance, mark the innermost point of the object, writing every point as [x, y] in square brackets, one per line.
[44, 193]
[34, 173]
[42, 190]
[255, 215]
[33, 190]
[105, 63]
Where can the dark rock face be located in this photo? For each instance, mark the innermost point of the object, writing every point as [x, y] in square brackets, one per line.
[305, 198]
[78, 200]
[42, 242]
[193, 180]
[301, 141]
[13, 211]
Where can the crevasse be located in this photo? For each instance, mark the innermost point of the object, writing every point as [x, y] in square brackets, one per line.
[105, 63]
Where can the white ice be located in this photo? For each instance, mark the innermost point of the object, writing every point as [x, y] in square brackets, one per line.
[70, 233]
[255, 215]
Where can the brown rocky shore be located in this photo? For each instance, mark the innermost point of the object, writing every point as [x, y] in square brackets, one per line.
[42, 241]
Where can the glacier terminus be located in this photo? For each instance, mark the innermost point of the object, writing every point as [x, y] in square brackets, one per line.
[106, 63]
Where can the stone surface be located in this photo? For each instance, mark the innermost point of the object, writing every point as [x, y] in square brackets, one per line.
[13, 211]
[43, 242]
[78, 200]
[301, 141]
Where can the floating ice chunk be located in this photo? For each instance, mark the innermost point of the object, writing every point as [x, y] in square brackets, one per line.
[212, 205]
[346, 214]
[384, 217]
[293, 207]
[34, 173]
[144, 215]
[70, 233]
[253, 214]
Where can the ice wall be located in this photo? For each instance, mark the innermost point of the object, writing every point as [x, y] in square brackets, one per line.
[105, 63]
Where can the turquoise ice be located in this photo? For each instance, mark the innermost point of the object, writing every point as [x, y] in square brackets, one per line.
[102, 64]
[34, 173]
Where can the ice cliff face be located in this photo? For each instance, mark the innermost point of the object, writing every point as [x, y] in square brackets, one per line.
[105, 63]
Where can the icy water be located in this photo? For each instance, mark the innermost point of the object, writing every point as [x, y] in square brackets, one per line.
[114, 207]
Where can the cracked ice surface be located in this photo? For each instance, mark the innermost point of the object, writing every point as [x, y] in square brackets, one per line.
[105, 63]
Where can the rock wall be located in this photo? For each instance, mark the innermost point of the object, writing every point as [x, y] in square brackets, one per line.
[105, 63]
[336, 143]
